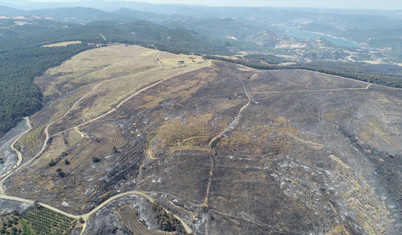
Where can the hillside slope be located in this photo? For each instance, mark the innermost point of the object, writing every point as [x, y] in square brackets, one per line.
[225, 148]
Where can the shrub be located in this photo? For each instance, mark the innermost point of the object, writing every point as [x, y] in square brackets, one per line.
[62, 174]
[52, 163]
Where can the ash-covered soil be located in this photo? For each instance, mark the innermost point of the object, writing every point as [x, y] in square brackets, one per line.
[231, 150]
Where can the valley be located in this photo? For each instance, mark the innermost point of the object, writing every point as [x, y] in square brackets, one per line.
[222, 148]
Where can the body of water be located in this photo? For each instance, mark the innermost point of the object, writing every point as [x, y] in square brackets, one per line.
[341, 42]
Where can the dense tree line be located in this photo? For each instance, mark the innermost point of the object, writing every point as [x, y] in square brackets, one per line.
[19, 96]
[270, 59]
[139, 32]
[368, 73]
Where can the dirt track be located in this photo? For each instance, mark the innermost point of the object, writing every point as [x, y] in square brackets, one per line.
[84, 216]
[284, 127]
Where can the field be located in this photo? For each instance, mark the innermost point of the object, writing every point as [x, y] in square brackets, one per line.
[62, 44]
[45, 221]
[36, 221]
[224, 148]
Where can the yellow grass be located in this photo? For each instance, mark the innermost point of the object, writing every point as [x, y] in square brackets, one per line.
[331, 116]
[74, 136]
[31, 139]
[62, 44]
[372, 128]
[124, 69]
[56, 148]
[179, 135]
[100, 147]
[128, 216]
[361, 199]
[91, 83]
[373, 62]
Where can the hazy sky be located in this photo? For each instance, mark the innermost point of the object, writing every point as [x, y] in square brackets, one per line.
[341, 4]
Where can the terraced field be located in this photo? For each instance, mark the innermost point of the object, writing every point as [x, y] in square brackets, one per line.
[223, 148]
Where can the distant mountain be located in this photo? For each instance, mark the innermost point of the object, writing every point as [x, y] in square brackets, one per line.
[137, 14]
[8, 11]
[71, 14]
[86, 14]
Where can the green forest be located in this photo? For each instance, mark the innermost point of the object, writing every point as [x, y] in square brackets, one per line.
[19, 96]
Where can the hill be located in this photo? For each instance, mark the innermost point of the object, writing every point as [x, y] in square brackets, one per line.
[24, 58]
[131, 134]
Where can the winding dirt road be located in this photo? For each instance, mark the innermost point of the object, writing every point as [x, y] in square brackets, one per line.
[144, 194]
[213, 143]
[16, 167]
[86, 216]
[19, 154]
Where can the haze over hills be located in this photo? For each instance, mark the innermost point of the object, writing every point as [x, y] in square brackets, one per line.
[140, 118]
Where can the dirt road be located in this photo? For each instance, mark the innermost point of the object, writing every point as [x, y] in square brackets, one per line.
[86, 216]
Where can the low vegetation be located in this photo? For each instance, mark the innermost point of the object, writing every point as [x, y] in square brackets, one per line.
[37, 221]
[45, 221]
[10, 224]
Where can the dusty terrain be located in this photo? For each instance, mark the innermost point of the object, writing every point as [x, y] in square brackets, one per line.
[224, 148]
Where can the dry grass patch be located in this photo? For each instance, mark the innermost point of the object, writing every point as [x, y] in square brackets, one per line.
[370, 212]
[54, 151]
[128, 216]
[191, 133]
[332, 116]
[100, 143]
[32, 139]
[74, 136]
[62, 44]
[125, 69]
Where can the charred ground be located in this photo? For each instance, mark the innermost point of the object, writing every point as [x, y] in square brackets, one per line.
[226, 148]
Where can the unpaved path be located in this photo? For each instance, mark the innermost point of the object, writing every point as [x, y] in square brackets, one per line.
[15, 168]
[212, 145]
[121, 103]
[19, 154]
[140, 193]
[46, 131]
[311, 91]
[235, 121]
[104, 38]
[86, 216]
